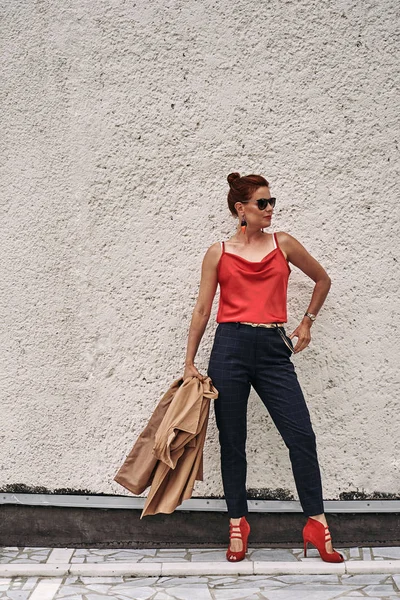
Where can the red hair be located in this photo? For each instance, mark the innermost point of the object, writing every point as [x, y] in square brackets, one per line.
[242, 188]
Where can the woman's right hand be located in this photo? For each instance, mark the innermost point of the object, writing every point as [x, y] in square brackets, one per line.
[191, 371]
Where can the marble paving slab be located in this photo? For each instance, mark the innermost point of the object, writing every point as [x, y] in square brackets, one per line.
[286, 587]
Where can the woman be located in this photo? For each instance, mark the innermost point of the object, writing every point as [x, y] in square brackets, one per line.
[251, 347]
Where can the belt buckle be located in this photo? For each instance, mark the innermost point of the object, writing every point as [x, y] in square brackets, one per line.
[266, 325]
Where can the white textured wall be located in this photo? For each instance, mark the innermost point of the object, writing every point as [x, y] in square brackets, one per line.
[120, 122]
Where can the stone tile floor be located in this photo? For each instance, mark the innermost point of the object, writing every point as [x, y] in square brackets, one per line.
[282, 587]
[9, 555]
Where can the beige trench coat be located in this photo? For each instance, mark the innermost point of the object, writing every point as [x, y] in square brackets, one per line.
[168, 454]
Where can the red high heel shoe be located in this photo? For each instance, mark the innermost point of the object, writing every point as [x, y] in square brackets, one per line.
[317, 534]
[240, 531]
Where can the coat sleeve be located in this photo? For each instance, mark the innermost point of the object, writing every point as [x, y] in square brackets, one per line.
[137, 471]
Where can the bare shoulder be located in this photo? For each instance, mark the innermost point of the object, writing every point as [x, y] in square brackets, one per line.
[287, 242]
[291, 247]
[297, 254]
[214, 250]
[213, 255]
[284, 237]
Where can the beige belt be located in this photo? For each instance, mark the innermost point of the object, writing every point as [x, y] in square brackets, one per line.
[263, 324]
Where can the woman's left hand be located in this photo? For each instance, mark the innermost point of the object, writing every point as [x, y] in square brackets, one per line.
[302, 332]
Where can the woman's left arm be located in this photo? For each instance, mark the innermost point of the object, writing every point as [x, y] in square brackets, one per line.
[298, 255]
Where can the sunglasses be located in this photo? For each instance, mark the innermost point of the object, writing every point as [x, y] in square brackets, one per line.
[262, 203]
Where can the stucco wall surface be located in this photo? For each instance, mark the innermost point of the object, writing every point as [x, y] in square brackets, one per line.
[119, 124]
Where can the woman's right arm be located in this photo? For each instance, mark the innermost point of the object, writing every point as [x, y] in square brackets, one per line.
[202, 309]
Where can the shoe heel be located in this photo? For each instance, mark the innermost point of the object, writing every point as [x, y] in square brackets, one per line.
[318, 535]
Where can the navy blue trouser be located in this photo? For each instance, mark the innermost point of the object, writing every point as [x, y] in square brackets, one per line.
[242, 356]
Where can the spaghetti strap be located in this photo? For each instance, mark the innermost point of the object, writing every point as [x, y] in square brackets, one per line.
[275, 240]
[223, 247]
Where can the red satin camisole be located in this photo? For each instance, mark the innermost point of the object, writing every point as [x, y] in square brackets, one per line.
[253, 291]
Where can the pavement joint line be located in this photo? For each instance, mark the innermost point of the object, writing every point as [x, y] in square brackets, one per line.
[162, 569]
[46, 589]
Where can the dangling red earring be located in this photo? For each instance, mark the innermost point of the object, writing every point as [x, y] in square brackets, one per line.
[243, 225]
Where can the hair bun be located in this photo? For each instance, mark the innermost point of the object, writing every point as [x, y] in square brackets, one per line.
[232, 176]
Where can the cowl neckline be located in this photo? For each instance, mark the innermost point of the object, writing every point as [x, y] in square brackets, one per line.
[253, 262]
